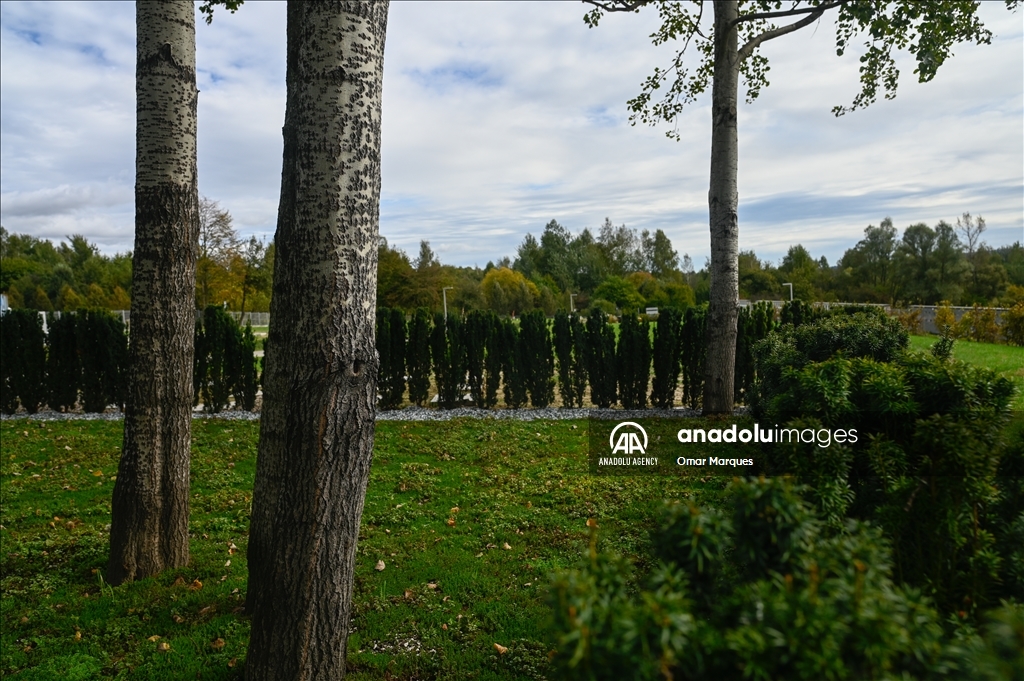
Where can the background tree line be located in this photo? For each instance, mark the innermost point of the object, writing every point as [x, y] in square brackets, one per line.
[618, 269]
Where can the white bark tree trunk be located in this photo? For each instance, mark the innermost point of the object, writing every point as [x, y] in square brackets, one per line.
[316, 430]
[723, 200]
[149, 524]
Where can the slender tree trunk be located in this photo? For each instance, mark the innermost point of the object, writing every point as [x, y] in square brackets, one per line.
[316, 430]
[723, 200]
[149, 525]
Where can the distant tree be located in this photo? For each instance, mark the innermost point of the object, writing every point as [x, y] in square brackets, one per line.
[659, 257]
[507, 291]
[218, 244]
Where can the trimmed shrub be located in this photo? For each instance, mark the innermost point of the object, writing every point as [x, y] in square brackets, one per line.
[572, 378]
[513, 370]
[475, 332]
[418, 357]
[495, 349]
[754, 323]
[694, 349]
[24, 360]
[63, 366]
[666, 358]
[382, 341]
[394, 379]
[213, 346]
[243, 368]
[103, 348]
[1013, 325]
[758, 591]
[797, 312]
[633, 361]
[448, 355]
[599, 357]
[538, 358]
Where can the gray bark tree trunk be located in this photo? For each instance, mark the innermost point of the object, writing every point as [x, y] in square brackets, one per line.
[723, 200]
[149, 524]
[317, 424]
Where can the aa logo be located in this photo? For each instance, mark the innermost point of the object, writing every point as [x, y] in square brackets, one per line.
[628, 441]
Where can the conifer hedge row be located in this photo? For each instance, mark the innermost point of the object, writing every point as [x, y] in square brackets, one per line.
[82, 359]
[472, 356]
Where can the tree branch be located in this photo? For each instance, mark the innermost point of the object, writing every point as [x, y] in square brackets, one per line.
[752, 44]
[620, 6]
[786, 13]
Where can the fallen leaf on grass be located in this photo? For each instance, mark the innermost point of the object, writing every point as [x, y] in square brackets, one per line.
[196, 585]
[78, 636]
[205, 610]
[500, 648]
[178, 619]
[506, 546]
[217, 643]
[227, 564]
[232, 548]
[432, 585]
[233, 661]
[180, 581]
[379, 566]
[455, 509]
[591, 522]
[480, 554]
[163, 646]
[154, 638]
[451, 522]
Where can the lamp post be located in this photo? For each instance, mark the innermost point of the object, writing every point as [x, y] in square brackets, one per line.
[571, 308]
[790, 290]
[444, 295]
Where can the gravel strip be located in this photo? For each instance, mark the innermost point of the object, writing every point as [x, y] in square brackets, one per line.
[409, 414]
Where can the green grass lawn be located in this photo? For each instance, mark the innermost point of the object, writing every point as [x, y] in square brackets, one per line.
[1006, 360]
[470, 518]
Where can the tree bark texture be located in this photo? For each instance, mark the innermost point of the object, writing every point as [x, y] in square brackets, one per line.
[317, 424]
[723, 200]
[149, 524]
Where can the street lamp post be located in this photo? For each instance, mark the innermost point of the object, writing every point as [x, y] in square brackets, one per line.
[571, 308]
[444, 295]
[790, 290]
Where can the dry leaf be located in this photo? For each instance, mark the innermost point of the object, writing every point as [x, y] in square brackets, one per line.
[233, 661]
[451, 522]
[178, 619]
[227, 564]
[529, 504]
[153, 639]
[506, 546]
[205, 610]
[78, 636]
[445, 627]
[97, 473]
[455, 509]
[24, 620]
[217, 643]
[180, 581]
[408, 594]
[232, 548]
[500, 648]
[591, 522]
[196, 585]
[480, 554]
[432, 585]
[163, 646]
[379, 566]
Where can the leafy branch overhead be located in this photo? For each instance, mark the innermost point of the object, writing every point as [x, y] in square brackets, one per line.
[927, 30]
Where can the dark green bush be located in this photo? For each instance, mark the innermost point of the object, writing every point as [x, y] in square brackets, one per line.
[243, 368]
[24, 360]
[215, 343]
[476, 331]
[666, 358]
[418, 357]
[103, 348]
[757, 592]
[513, 369]
[63, 366]
[693, 349]
[448, 355]
[391, 352]
[599, 357]
[494, 350]
[572, 375]
[538, 358]
[754, 323]
[382, 341]
[633, 361]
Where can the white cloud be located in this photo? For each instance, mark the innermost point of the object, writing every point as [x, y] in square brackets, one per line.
[499, 117]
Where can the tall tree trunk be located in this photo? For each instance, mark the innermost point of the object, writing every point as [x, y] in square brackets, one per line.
[722, 201]
[149, 525]
[316, 430]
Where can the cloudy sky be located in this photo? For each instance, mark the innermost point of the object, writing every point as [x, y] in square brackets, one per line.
[499, 117]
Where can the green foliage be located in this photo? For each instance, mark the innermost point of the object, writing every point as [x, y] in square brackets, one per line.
[391, 350]
[569, 341]
[243, 365]
[495, 349]
[63, 366]
[925, 460]
[418, 357]
[103, 348]
[538, 358]
[1013, 324]
[476, 330]
[755, 592]
[943, 349]
[666, 358]
[753, 325]
[448, 355]
[599, 357]
[513, 365]
[693, 349]
[224, 364]
[633, 361]
[24, 360]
